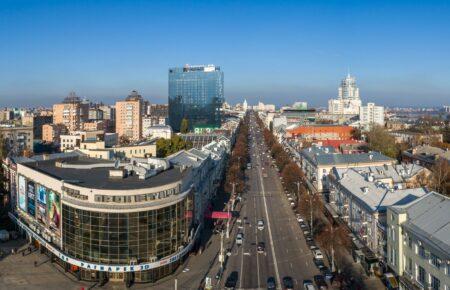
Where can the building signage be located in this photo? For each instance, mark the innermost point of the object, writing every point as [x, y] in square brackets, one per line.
[22, 193]
[102, 267]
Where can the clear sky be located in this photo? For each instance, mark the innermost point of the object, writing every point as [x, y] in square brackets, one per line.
[276, 51]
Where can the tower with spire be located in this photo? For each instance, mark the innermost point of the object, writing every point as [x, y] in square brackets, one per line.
[348, 101]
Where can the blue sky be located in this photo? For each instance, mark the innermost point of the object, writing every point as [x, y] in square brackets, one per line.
[274, 51]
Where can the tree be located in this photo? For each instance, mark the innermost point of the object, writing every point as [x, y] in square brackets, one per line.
[356, 133]
[184, 126]
[441, 176]
[166, 147]
[380, 140]
[124, 140]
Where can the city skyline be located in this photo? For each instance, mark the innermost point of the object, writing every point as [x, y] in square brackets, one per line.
[312, 46]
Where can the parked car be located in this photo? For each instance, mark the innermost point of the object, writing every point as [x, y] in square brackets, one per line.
[309, 240]
[231, 282]
[318, 254]
[320, 282]
[326, 272]
[300, 220]
[271, 283]
[319, 263]
[308, 285]
[303, 225]
[288, 283]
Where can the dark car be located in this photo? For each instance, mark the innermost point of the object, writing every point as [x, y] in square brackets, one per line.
[231, 281]
[288, 283]
[309, 240]
[271, 283]
[319, 263]
[326, 272]
[320, 282]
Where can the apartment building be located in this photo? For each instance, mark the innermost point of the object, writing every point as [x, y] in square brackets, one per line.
[51, 132]
[71, 112]
[17, 138]
[129, 114]
[418, 242]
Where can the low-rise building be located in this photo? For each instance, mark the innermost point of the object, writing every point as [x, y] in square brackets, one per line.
[415, 139]
[320, 132]
[17, 138]
[360, 197]
[418, 242]
[158, 131]
[51, 133]
[425, 155]
[317, 162]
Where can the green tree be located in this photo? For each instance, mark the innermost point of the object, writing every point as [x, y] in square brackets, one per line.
[166, 147]
[380, 140]
[184, 126]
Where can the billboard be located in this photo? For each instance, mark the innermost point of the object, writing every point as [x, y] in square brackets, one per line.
[31, 198]
[54, 210]
[22, 193]
[41, 213]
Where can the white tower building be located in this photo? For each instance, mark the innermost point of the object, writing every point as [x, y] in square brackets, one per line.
[348, 101]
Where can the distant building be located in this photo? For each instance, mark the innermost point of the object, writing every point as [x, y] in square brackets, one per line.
[17, 139]
[129, 116]
[159, 131]
[348, 101]
[300, 106]
[425, 155]
[196, 93]
[418, 242]
[52, 132]
[370, 115]
[245, 106]
[321, 132]
[108, 112]
[95, 114]
[415, 139]
[71, 112]
[36, 121]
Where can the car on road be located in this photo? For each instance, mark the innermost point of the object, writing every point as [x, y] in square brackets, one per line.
[288, 283]
[292, 204]
[300, 220]
[239, 239]
[231, 282]
[260, 247]
[306, 233]
[260, 225]
[271, 283]
[313, 247]
[320, 282]
[318, 255]
[308, 285]
[290, 198]
[303, 225]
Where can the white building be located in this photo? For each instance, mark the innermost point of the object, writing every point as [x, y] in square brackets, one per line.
[245, 106]
[159, 131]
[361, 195]
[371, 114]
[348, 101]
[418, 242]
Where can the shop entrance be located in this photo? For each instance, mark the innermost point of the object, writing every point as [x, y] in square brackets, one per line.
[116, 277]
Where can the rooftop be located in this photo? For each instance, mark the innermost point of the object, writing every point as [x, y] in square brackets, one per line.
[376, 196]
[328, 155]
[429, 219]
[98, 177]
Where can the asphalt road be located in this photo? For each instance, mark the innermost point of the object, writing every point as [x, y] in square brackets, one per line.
[286, 252]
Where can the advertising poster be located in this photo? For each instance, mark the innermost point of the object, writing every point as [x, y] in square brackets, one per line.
[54, 210]
[41, 212]
[31, 198]
[22, 193]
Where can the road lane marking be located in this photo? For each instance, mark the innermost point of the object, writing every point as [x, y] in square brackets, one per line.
[268, 227]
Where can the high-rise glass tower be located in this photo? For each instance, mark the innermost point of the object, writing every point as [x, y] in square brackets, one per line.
[196, 93]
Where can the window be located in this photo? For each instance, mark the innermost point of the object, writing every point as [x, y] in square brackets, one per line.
[421, 275]
[422, 251]
[435, 261]
[435, 283]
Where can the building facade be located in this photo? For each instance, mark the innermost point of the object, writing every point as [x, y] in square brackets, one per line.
[129, 116]
[418, 242]
[72, 112]
[51, 132]
[196, 93]
[371, 115]
[18, 139]
[348, 101]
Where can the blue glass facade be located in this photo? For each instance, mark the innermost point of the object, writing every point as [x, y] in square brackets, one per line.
[195, 93]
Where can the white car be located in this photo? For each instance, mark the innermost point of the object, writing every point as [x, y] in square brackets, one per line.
[260, 225]
[239, 239]
[318, 255]
[300, 220]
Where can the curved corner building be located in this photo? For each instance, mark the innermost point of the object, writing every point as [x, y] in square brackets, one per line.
[104, 220]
